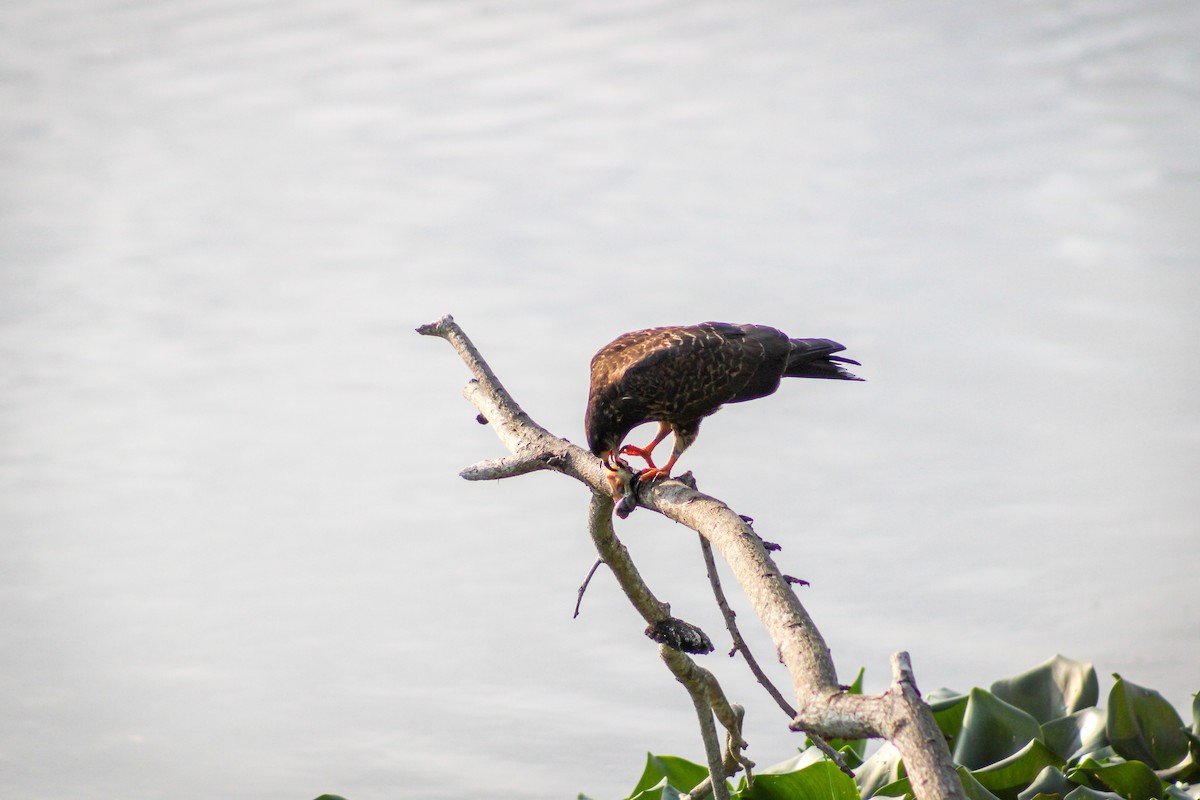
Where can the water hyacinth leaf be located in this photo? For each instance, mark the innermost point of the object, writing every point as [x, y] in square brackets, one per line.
[1143, 726]
[660, 791]
[1084, 793]
[1177, 792]
[1052, 689]
[948, 709]
[992, 730]
[670, 771]
[1007, 777]
[1050, 782]
[1194, 734]
[972, 787]
[882, 769]
[1076, 735]
[900, 788]
[809, 755]
[1132, 780]
[819, 781]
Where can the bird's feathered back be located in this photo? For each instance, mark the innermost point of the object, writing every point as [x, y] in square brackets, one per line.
[681, 374]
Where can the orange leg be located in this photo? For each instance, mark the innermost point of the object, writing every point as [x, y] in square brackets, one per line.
[652, 472]
[644, 452]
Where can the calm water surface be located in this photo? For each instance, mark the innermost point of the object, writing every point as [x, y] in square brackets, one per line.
[235, 557]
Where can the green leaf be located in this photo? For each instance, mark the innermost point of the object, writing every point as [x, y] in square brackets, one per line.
[659, 791]
[1177, 792]
[1142, 726]
[1010, 775]
[1132, 780]
[1084, 793]
[1052, 689]
[819, 781]
[1194, 734]
[882, 769]
[948, 710]
[1050, 782]
[972, 787]
[1075, 736]
[663, 771]
[992, 731]
[900, 788]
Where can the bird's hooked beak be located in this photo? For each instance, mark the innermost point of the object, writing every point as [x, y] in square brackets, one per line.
[622, 483]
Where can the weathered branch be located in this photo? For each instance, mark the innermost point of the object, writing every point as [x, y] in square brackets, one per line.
[898, 715]
[740, 646]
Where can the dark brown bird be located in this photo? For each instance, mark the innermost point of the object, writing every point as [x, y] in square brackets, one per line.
[678, 375]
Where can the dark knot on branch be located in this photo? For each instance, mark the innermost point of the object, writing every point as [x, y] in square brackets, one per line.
[680, 635]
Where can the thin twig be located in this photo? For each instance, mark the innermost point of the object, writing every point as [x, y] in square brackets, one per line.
[583, 588]
[739, 644]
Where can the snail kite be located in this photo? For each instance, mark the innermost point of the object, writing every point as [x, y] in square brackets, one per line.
[678, 375]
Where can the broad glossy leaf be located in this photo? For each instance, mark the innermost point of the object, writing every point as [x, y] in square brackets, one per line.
[992, 730]
[1192, 792]
[1075, 736]
[1084, 793]
[900, 788]
[1052, 689]
[677, 772]
[809, 755]
[1009, 776]
[1049, 782]
[1133, 780]
[819, 781]
[882, 769]
[660, 791]
[1194, 734]
[948, 709]
[1143, 726]
[972, 787]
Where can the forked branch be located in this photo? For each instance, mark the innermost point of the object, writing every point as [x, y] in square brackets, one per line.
[898, 715]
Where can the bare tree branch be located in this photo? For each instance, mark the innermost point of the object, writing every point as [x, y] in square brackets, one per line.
[740, 646]
[898, 715]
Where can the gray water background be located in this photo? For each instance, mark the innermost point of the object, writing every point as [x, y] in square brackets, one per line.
[235, 558]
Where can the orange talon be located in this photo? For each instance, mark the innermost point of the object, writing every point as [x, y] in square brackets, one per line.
[640, 452]
[644, 452]
[653, 473]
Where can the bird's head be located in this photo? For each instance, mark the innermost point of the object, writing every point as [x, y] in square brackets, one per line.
[610, 418]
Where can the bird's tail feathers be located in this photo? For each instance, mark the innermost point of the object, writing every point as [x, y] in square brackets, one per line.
[813, 358]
